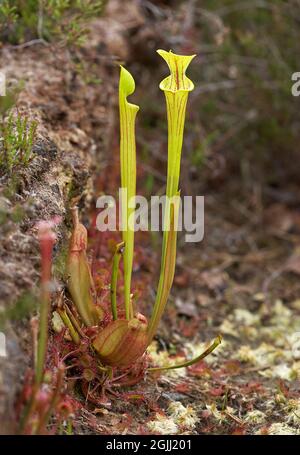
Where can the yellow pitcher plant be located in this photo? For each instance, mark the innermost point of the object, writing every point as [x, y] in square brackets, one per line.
[122, 341]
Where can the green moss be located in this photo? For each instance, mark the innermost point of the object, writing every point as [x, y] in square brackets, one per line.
[59, 263]
[17, 138]
[16, 214]
[22, 308]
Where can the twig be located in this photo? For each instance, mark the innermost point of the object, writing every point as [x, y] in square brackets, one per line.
[29, 44]
[40, 19]
[233, 417]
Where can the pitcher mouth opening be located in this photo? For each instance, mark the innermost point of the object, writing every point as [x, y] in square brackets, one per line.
[178, 64]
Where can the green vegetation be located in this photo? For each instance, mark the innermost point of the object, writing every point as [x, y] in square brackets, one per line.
[53, 20]
[244, 118]
[252, 49]
[17, 138]
[16, 214]
[23, 308]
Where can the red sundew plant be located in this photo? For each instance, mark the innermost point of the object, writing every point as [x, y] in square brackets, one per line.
[107, 344]
[42, 393]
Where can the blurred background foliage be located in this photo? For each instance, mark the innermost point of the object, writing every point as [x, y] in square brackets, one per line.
[50, 20]
[243, 122]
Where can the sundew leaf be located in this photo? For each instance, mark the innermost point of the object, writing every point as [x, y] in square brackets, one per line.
[128, 113]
